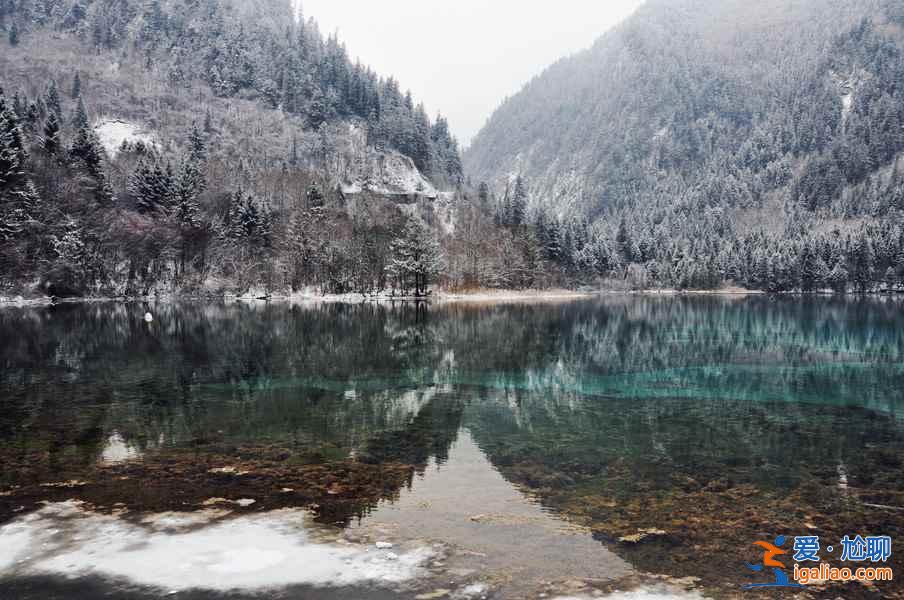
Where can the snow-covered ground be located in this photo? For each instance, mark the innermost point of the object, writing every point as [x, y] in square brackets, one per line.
[113, 132]
[847, 104]
[274, 549]
[513, 296]
[644, 593]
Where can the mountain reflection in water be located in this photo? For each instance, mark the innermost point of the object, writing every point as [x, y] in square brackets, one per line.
[709, 421]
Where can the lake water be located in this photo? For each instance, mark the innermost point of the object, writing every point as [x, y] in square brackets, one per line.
[623, 447]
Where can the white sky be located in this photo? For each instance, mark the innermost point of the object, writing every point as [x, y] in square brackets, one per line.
[462, 57]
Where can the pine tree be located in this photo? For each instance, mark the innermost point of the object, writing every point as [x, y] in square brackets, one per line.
[80, 115]
[13, 154]
[52, 100]
[67, 273]
[153, 188]
[18, 197]
[519, 203]
[549, 236]
[822, 273]
[314, 197]
[14, 34]
[189, 186]
[861, 264]
[208, 122]
[601, 256]
[483, 195]
[293, 153]
[50, 140]
[416, 257]
[18, 106]
[33, 114]
[249, 221]
[197, 145]
[808, 269]
[625, 242]
[87, 153]
[504, 211]
[838, 278]
[320, 108]
[76, 87]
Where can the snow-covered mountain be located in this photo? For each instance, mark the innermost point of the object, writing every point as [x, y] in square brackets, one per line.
[707, 103]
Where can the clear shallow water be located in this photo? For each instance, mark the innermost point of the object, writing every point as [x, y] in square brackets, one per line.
[556, 428]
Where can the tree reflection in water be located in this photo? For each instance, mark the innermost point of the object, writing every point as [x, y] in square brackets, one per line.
[711, 419]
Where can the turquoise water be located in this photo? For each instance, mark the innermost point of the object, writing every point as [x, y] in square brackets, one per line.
[609, 399]
[74, 375]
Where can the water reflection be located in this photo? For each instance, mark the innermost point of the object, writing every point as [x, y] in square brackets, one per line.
[621, 413]
[276, 371]
[116, 450]
[466, 502]
[684, 381]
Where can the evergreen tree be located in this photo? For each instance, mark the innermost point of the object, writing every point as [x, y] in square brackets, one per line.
[18, 197]
[33, 114]
[808, 269]
[519, 203]
[189, 186]
[293, 152]
[625, 242]
[197, 145]
[153, 188]
[52, 100]
[505, 210]
[50, 140]
[549, 236]
[13, 154]
[838, 278]
[861, 263]
[80, 115]
[68, 270]
[416, 257]
[314, 197]
[483, 195]
[249, 221]
[86, 153]
[76, 87]
[14, 34]
[18, 106]
[208, 122]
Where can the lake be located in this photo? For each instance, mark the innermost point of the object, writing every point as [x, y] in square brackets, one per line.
[623, 447]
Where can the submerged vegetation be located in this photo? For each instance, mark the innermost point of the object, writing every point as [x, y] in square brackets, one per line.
[206, 149]
[671, 428]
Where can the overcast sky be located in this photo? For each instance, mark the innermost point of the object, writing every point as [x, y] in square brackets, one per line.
[462, 57]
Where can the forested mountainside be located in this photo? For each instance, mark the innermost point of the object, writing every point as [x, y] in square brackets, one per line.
[172, 146]
[712, 141]
[212, 145]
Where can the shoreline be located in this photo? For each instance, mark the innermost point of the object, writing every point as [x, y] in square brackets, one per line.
[438, 297]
